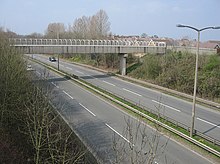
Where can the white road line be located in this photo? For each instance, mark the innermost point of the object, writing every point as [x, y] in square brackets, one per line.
[62, 65]
[118, 133]
[87, 109]
[166, 105]
[67, 94]
[55, 85]
[131, 92]
[80, 72]
[218, 126]
[38, 73]
[108, 83]
[69, 68]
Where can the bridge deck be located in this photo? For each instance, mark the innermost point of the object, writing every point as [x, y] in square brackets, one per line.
[47, 46]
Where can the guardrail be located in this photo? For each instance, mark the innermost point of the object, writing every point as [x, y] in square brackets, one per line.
[205, 51]
[142, 114]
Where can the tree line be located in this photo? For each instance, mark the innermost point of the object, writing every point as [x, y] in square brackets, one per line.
[86, 27]
[96, 26]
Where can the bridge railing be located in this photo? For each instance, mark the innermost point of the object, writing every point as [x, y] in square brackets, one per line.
[28, 41]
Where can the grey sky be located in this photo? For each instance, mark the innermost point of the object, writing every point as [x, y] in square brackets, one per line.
[127, 17]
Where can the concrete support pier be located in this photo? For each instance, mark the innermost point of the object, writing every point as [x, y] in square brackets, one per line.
[122, 68]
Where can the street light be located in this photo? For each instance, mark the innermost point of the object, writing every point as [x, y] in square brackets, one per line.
[196, 70]
[58, 58]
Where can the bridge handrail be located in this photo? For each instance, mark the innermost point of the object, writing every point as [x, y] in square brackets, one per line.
[120, 42]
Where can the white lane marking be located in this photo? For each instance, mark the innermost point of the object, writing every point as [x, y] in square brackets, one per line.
[166, 105]
[80, 72]
[38, 73]
[131, 92]
[108, 83]
[87, 109]
[218, 126]
[55, 85]
[118, 133]
[69, 68]
[62, 65]
[67, 94]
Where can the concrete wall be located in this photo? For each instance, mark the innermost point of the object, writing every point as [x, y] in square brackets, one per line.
[202, 51]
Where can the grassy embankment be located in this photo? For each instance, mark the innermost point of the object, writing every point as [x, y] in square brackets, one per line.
[175, 70]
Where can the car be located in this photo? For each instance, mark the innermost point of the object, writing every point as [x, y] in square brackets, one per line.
[52, 59]
[29, 67]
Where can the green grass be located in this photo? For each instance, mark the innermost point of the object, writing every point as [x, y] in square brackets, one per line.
[133, 67]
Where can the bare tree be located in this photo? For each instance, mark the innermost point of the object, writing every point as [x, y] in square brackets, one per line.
[143, 146]
[25, 109]
[95, 27]
[55, 30]
[103, 23]
[80, 27]
[99, 25]
[35, 35]
[52, 140]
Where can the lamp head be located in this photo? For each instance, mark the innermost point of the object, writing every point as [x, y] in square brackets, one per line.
[216, 27]
[180, 25]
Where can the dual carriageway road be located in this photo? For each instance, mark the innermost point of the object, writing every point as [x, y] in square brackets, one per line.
[207, 121]
[98, 120]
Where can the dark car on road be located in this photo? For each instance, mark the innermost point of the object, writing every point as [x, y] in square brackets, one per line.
[52, 59]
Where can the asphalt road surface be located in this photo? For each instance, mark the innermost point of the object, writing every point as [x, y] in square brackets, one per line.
[102, 126]
[207, 121]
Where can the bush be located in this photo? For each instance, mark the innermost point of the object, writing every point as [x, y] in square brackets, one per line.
[176, 70]
[150, 69]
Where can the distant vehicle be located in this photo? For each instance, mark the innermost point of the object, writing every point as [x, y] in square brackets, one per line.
[52, 59]
[29, 68]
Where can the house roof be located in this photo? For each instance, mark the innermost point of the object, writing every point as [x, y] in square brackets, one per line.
[210, 44]
[217, 46]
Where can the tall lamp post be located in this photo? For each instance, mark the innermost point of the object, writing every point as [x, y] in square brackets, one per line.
[58, 58]
[196, 70]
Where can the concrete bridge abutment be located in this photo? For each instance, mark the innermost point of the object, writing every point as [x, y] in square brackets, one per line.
[122, 68]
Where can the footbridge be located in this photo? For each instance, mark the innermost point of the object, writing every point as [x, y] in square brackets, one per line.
[84, 46]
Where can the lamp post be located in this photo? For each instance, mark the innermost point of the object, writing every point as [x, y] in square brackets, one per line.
[196, 70]
[58, 37]
[58, 56]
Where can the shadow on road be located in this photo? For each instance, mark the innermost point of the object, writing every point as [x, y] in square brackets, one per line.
[95, 76]
[51, 79]
[57, 79]
[211, 129]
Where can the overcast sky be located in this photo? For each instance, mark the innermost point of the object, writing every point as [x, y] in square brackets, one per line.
[127, 17]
